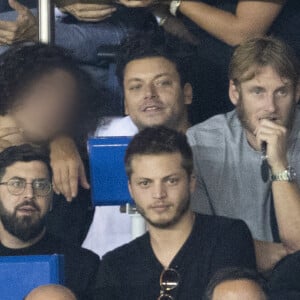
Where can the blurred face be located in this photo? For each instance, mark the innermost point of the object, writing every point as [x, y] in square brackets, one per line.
[161, 188]
[23, 215]
[266, 96]
[47, 107]
[154, 95]
[237, 290]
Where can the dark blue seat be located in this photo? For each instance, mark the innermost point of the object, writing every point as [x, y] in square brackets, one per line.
[108, 176]
[20, 274]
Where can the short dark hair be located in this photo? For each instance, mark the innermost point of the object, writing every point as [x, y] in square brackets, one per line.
[23, 153]
[23, 64]
[159, 140]
[234, 273]
[155, 44]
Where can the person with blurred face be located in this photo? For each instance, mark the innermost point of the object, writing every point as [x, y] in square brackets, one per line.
[156, 92]
[181, 250]
[236, 284]
[51, 291]
[25, 202]
[47, 100]
[247, 160]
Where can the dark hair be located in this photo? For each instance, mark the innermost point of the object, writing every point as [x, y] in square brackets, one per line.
[234, 273]
[23, 64]
[159, 140]
[155, 44]
[23, 153]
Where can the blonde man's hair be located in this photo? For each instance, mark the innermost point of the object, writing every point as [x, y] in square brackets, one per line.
[256, 53]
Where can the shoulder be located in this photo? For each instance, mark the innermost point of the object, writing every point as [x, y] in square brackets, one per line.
[117, 126]
[221, 225]
[213, 127]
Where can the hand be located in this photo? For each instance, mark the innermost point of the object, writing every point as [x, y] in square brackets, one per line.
[25, 28]
[89, 12]
[268, 254]
[68, 168]
[276, 138]
[137, 3]
[5, 132]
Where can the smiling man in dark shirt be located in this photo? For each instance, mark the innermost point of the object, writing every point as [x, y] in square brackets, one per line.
[181, 250]
[25, 201]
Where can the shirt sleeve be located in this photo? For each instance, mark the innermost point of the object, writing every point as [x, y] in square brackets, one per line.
[235, 248]
[200, 202]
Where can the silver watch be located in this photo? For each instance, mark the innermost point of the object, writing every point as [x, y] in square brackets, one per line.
[174, 5]
[287, 175]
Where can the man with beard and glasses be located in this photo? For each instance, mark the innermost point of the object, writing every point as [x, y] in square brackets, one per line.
[25, 201]
[153, 73]
[246, 160]
[180, 252]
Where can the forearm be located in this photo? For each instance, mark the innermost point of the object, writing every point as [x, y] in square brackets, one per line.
[287, 207]
[250, 19]
[268, 254]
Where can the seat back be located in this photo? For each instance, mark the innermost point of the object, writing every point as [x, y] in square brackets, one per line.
[21, 274]
[108, 176]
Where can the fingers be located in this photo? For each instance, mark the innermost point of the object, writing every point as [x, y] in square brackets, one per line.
[90, 12]
[61, 181]
[4, 132]
[23, 29]
[136, 3]
[82, 177]
[73, 180]
[14, 4]
[90, 7]
[4, 144]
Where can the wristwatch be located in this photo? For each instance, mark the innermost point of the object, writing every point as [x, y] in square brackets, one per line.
[174, 5]
[287, 175]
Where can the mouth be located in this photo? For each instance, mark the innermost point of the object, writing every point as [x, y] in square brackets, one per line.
[27, 209]
[152, 108]
[270, 118]
[160, 208]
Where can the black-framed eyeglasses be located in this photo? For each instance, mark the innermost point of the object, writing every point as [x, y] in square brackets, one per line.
[169, 280]
[17, 186]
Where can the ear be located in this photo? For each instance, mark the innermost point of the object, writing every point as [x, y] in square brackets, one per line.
[193, 183]
[234, 93]
[297, 96]
[188, 93]
[129, 188]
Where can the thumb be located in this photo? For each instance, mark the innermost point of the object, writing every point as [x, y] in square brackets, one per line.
[17, 6]
[82, 177]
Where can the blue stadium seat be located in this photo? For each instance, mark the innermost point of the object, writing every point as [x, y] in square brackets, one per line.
[20, 274]
[108, 176]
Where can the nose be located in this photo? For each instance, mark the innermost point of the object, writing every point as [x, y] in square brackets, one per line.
[271, 104]
[28, 192]
[159, 191]
[150, 91]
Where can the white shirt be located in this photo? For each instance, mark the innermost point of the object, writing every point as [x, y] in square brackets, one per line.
[110, 228]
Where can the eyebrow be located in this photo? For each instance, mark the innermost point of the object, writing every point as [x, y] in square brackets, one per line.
[156, 77]
[166, 177]
[34, 179]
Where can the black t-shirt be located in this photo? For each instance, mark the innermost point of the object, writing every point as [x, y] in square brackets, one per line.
[132, 271]
[81, 265]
